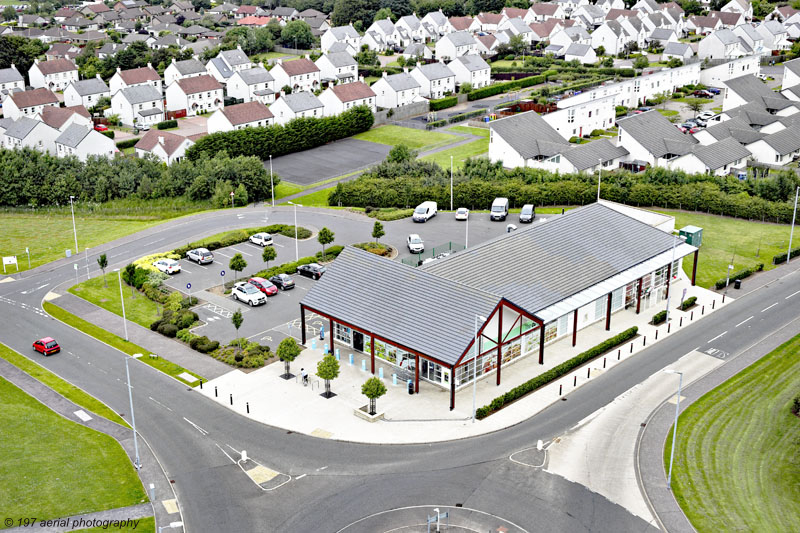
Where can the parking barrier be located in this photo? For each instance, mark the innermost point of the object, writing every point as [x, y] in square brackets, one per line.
[691, 317]
[713, 303]
[604, 362]
[702, 310]
[619, 353]
[575, 380]
[681, 323]
[631, 347]
[644, 341]
[559, 389]
[668, 327]
[351, 359]
[587, 372]
[656, 334]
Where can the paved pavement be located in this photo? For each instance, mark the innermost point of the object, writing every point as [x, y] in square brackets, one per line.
[328, 161]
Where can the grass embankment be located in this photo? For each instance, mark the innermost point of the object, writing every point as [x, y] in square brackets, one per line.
[138, 309]
[459, 153]
[127, 347]
[54, 467]
[480, 132]
[736, 459]
[415, 139]
[64, 388]
[145, 525]
[730, 241]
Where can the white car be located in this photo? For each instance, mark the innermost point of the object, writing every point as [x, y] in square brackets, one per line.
[248, 293]
[261, 239]
[415, 244]
[168, 266]
[462, 213]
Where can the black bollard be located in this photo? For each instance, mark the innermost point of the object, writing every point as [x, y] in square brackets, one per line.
[248, 407]
[559, 390]
[604, 362]
[231, 398]
[575, 381]
[215, 391]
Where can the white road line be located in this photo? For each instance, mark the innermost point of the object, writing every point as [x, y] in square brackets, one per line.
[770, 307]
[742, 322]
[159, 403]
[226, 453]
[322, 468]
[198, 428]
[717, 337]
[242, 252]
[187, 271]
[279, 245]
[152, 242]
[201, 266]
[301, 476]
[794, 293]
[223, 255]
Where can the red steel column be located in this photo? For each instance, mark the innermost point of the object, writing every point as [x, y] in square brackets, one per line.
[639, 296]
[303, 323]
[694, 267]
[372, 353]
[416, 373]
[669, 278]
[608, 312]
[330, 334]
[541, 344]
[499, 342]
[575, 328]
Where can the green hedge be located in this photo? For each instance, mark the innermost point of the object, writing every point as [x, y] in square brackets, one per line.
[443, 103]
[781, 258]
[298, 135]
[166, 124]
[659, 317]
[291, 268]
[331, 253]
[498, 88]
[435, 124]
[466, 116]
[688, 302]
[555, 373]
[741, 274]
[108, 133]
[128, 143]
[241, 235]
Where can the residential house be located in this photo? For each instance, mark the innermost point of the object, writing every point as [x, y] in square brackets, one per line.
[10, 81]
[200, 94]
[188, 68]
[485, 44]
[54, 75]
[778, 148]
[28, 103]
[461, 23]
[583, 118]
[61, 118]
[774, 34]
[574, 34]
[227, 62]
[471, 69]
[138, 105]
[682, 51]
[133, 77]
[64, 13]
[251, 114]
[413, 27]
[340, 98]
[286, 14]
[62, 51]
[646, 6]
[714, 76]
[791, 77]
[438, 23]
[611, 36]
[722, 44]
[29, 21]
[517, 26]
[751, 38]
[720, 158]
[254, 84]
[86, 92]
[83, 141]
[301, 104]
[589, 16]
[341, 34]
[249, 11]
[749, 89]
[580, 52]
[397, 90]
[435, 79]
[487, 22]
[165, 146]
[26, 132]
[79, 23]
[652, 140]
[569, 6]
[542, 12]
[420, 51]
[385, 34]
[338, 67]
[508, 13]
[729, 20]
[299, 75]
[735, 128]
[455, 45]
[662, 36]
[743, 7]
[608, 5]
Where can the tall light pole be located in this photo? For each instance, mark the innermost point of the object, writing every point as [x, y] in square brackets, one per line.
[791, 233]
[451, 183]
[475, 366]
[271, 181]
[671, 273]
[122, 301]
[296, 249]
[466, 240]
[675, 425]
[74, 230]
[138, 463]
[599, 172]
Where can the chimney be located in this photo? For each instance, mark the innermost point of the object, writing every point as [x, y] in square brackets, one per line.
[282, 93]
[98, 77]
[161, 141]
[279, 61]
[36, 61]
[361, 78]
[173, 60]
[119, 69]
[13, 67]
[149, 65]
[405, 69]
[383, 74]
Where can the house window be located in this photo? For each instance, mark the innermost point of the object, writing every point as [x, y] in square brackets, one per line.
[550, 331]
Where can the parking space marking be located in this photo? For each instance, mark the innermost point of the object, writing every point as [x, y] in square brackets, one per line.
[218, 310]
[187, 271]
[223, 255]
[242, 252]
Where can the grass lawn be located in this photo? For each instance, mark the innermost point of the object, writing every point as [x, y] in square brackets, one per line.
[139, 309]
[725, 237]
[459, 153]
[703, 101]
[506, 63]
[284, 188]
[736, 460]
[54, 467]
[127, 347]
[64, 388]
[413, 138]
[480, 132]
[668, 112]
[369, 80]
[145, 525]
[315, 199]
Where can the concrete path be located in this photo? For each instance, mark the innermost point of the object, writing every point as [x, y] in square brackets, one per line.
[111, 520]
[169, 349]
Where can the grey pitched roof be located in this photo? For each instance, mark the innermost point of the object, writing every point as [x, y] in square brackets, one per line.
[435, 71]
[344, 32]
[721, 153]
[90, 86]
[461, 38]
[385, 25]
[251, 76]
[529, 135]
[234, 57]
[736, 128]
[138, 94]
[793, 66]
[518, 25]
[615, 26]
[774, 27]
[577, 33]
[402, 81]
[341, 59]
[10, 75]
[357, 277]
[222, 67]
[338, 46]
[190, 66]
[784, 142]
[411, 21]
[472, 62]
[751, 89]
[661, 34]
[301, 101]
[726, 36]
[21, 128]
[546, 263]
[415, 49]
[73, 135]
[677, 49]
[657, 134]
[577, 49]
[437, 17]
[753, 113]
[750, 31]
[589, 155]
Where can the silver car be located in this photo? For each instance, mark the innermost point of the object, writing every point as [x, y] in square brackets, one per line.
[201, 256]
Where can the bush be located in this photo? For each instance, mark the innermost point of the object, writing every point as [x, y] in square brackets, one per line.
[128, 143]
[298, 135]
[167, 124]
[168, 330]
[108, 133]
[781, 258]
[331, 253]
[688, 302]
[241, 235]
[466, 116]
[659, 317]
[435, 124]
[374, 248]
[555, 373]
[498, 88]
[155, 325]
[741, 274]
[443, 103]
[597, 133]
[796, 405]
[251, 355]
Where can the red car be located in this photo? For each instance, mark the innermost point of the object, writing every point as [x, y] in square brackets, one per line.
[101, 127]
[267, 287]
[46, 346]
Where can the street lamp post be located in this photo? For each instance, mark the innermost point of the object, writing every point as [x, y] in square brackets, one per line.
[271, 181]
[296, 249]
[74, 230]
[675, 425]
[791, 233]
[451, 183]
[671, 273]
[122, 301]
[466, 240]
[599, 172]
[138, 463]
[475, 367]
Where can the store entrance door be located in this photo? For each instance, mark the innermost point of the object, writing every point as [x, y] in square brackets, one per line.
[358, 341]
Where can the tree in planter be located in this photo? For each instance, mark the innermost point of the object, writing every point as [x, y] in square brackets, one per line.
[102, 262]
[288, 350]
[130, 275]
[328, 369]
[373, 389]
[325, 236]
[237, 320]
[269, 254]
[377, 231]
[237, 264]
[695, 105]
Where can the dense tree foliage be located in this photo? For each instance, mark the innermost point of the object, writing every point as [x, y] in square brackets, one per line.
[20, 52]
[297, 34]
[347, 11]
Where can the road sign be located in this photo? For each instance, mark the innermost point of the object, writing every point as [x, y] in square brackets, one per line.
[188, 285]
[10, 260]
[222, 273]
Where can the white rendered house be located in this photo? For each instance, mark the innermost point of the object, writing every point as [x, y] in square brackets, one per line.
[54, 75]
[254, 84]
[236, 117]
[28, 103]
[296, 105]
[86, 92]
[82, 141]
[138, 105]
[200, 94]
[340, 98]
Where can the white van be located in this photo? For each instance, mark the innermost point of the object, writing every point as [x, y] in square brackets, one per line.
[424, 211]
[499, 209]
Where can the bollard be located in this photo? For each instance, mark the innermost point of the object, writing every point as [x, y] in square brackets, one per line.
[619, 353]
[314, 344]
[668, 326]
[380, 372]
[394, 379]
[351, 359]
[587, 372]
[152, 492]
[215, 391]
[702, 310]
[231, 398]
[559, 389]
[656, 334]
[713, 303]
[363, 365]
[681, 323]
[723, 298]
[248, 407]
[631, 347]
[575, 381]
[691, 317]
[644, 341]
[604, 362]
[201, 384]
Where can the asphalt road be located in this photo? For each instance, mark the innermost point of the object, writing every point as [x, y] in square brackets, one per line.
[337, 483]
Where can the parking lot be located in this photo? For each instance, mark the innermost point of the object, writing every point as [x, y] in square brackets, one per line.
[328, 161]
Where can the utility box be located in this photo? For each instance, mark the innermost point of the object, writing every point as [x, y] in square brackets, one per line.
[693, 235]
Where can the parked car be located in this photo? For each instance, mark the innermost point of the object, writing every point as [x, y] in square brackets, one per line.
[424, 212]
[706, 115]
[46, 346]
[100, 127]
[499, 209]
[528, 213]
[202, 256]
[702, 93]
[264, 286]
[462, 213]
[311, 270]
[168, 266]
[762, 77]
[681, 128]
[700, 122]
[415, 244]
[713, 90]
[645, 109]
[283, 281]
[261, 239]
[244, 291]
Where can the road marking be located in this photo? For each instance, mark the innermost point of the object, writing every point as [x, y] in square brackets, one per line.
[770, 307]
[226, 453]
[153, 242]
[717, 337]
[201, 266]
[223, 255]
[161, 404]
[742, 322]
[301, 476]
[242, 252]
[36, 289]
[798, 292]
[322, 468]
[80, 413]
[198, 428]
[187, 271]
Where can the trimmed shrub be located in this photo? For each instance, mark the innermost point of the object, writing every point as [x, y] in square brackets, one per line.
[374, 248]
[108, 133]
[168, 330]
[596, 133]
[155, 325]
[741, 274]
[241, 235]
[331, 253]
[659, 317]
[796, 405]
[128, 143]
[166, 124]
[466, 116]
[688, 302]
[435, 124]
[555, 373]
[443, 103]
[498, 88]
[781, 258]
